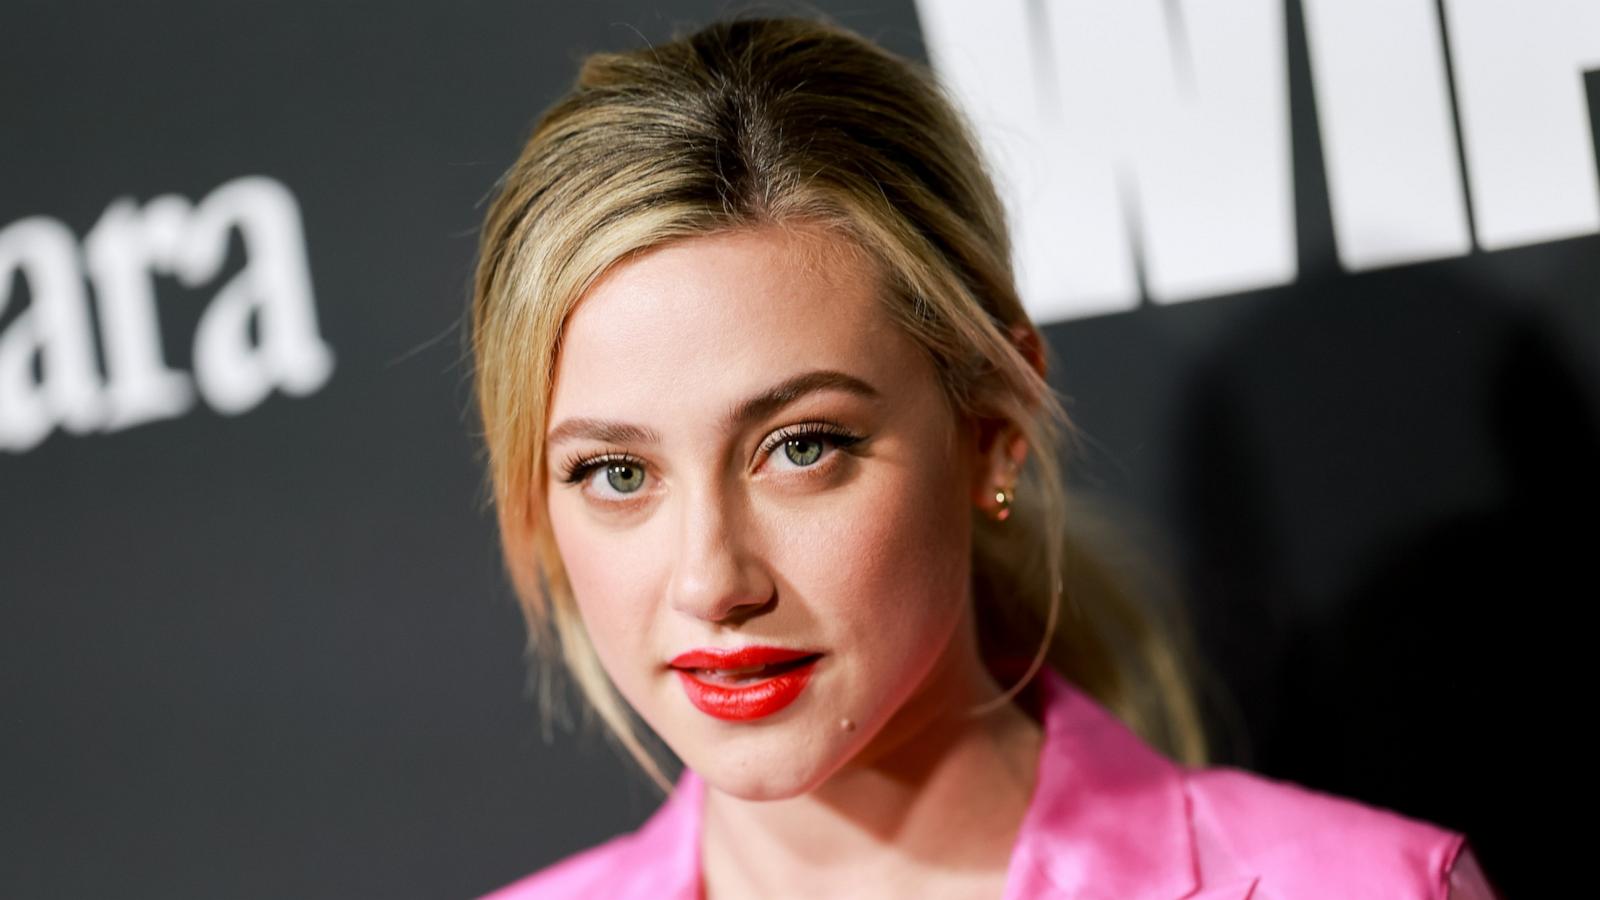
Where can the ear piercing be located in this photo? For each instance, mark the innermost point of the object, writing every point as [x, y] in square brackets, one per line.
[1002, 502]
[1003, 493]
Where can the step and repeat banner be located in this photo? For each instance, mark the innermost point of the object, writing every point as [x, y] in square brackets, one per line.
[1322, 279]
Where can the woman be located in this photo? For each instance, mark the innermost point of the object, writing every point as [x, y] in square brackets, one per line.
[773, 458]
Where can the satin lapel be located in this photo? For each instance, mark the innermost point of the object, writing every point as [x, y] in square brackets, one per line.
[1109, 816]
[1243, 889]
[664, 858]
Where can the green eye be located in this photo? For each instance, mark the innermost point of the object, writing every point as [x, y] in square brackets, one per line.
[802, 451]
[624, 478]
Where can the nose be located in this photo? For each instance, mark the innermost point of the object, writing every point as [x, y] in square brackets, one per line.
[719, 576]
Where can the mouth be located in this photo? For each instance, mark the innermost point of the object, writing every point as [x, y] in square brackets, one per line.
[745, 684]
[744, 675]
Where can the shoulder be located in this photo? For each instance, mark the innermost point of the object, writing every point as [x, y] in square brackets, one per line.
[1303, 842]
[659, 860]
[595, 872]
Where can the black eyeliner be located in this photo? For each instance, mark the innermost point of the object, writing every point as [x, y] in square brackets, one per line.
[576, 470]
[840, 436]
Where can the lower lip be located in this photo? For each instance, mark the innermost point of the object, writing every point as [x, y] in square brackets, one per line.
[745, 702]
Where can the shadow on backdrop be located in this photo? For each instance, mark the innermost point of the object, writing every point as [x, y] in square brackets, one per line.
[1417, 663]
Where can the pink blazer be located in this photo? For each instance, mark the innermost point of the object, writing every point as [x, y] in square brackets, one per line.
[1110, 819]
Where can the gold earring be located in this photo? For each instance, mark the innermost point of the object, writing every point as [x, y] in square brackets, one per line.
[1002, 501]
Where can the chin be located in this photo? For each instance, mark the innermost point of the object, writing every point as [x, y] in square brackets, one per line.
[760, 780]
[776, 765]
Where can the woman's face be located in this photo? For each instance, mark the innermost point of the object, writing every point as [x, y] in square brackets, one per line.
[745, 452]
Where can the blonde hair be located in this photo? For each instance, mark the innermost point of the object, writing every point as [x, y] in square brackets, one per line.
[794, 123]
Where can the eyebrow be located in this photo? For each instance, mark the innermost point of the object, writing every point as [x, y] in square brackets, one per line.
[742, 413]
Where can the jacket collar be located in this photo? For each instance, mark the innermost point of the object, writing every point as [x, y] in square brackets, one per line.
[668, 845]
[1109, 817]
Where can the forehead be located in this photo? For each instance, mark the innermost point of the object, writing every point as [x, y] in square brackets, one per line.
[693, 326]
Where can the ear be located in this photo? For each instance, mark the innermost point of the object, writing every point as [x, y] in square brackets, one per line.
[1030, 344]
[1001, 451]
[1001, 446]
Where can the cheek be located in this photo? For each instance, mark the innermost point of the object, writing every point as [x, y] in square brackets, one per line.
[609, 572]
[893, 567]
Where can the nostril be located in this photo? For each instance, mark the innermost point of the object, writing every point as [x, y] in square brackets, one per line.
[744, 611]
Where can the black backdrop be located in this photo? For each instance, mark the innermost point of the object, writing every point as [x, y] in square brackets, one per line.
[271, 654]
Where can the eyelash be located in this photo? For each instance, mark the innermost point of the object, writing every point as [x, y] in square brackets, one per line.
[578, 469]
[837, 435]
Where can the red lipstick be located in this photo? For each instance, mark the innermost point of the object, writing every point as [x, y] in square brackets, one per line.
[744, 684]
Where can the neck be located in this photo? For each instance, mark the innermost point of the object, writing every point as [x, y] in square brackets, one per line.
[937, 800]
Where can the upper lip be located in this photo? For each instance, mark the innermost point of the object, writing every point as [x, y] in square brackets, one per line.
[737, 658]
